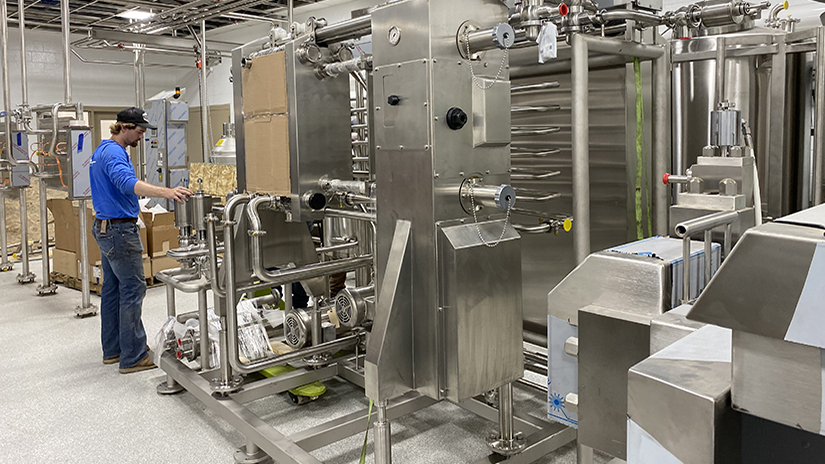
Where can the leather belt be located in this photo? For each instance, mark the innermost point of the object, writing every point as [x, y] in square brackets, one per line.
[117, 220]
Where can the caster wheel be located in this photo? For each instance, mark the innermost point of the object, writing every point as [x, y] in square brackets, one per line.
[298, 399]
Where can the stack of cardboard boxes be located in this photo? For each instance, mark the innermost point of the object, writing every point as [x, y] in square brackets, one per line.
[163, 236]
[157, 233]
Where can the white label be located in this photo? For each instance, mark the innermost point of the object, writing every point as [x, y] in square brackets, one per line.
[808, 322]
[547, 43]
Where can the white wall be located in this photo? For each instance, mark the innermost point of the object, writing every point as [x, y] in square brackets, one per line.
[92, 84]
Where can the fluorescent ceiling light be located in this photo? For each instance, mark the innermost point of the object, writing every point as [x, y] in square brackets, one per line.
[136, 14]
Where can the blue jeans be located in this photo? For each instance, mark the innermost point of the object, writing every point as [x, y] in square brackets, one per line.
[121, 330]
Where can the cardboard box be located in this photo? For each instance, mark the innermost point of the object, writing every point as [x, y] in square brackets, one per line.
[161, 233]
[264, 85]
[65, 262]
[67, 228]
[163, 263]
[267, 155]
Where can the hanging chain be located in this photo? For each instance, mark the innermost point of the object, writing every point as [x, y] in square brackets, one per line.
[475, 219]
[472, 71]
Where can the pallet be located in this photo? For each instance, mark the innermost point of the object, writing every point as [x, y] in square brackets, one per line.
[77, 284]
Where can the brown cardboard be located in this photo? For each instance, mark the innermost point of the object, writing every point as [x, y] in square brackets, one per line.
[64, 262]
[264, 85]
[267, 155]
[161, 235]
[163, 263]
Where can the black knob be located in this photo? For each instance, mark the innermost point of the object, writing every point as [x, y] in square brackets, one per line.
[456, 118]
[393, 100]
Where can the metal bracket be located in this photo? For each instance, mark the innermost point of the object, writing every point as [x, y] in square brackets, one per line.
[388, 369]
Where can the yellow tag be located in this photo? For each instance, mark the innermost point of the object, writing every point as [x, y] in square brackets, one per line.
[220, 142]
[568, 224]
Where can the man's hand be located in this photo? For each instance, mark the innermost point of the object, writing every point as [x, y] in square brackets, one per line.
[179, 194]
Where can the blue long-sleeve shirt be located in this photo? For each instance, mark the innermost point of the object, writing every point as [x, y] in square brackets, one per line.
[113, 182]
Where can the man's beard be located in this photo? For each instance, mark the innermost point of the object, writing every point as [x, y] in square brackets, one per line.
[134, 144]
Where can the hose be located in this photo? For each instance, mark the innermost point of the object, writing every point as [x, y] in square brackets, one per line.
[641, 168]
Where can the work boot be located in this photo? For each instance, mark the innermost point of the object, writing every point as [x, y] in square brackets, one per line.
[112, 360]
[144, 365]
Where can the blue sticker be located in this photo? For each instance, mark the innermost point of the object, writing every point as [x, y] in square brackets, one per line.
[19, 139]
[80, 143]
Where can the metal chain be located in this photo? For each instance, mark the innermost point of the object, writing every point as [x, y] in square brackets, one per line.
[472, 71]
[475, 219]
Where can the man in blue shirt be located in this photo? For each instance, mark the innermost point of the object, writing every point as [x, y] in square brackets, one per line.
[115, 191]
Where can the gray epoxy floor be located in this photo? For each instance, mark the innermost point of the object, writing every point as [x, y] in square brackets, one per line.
[60, 404]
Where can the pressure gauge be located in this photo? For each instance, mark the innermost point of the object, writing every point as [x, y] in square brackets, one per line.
[394, 36]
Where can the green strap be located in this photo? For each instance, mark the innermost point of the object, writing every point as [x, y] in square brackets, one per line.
[366, 435]
[641, 168]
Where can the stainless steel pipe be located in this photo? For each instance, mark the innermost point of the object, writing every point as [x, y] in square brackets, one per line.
[84, 258]
[505, 412]
[204, 98]
[581, 45]
[46, 287]
[383, 436]
[581, 147]
[721, 43]
[230, 327]
[701, 224]
[139, 102]
[67, 64]
[345, 30]
[350, 214]
[5, 265]
[25, 276]
[203, 324]
[819, 128]
[285, 276]
[662, 141]
[687, 229]
[21, 14]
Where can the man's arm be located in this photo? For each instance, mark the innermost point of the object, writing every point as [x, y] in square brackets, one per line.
[179, 194]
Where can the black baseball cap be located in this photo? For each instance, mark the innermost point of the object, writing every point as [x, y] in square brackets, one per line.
[135, 116]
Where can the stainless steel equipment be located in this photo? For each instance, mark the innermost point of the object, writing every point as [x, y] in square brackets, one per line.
[165, 147]
[599, 321]
[777, 340]
[224, 150]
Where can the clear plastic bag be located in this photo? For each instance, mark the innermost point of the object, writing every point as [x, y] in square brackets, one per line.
[253, 340]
